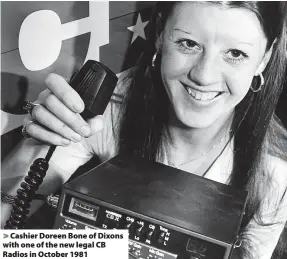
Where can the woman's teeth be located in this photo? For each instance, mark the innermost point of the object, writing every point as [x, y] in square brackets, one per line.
[201, 96]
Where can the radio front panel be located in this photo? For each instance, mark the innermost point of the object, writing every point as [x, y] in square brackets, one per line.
[149, 238]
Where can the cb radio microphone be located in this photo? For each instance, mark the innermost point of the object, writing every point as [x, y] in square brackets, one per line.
[95, 83]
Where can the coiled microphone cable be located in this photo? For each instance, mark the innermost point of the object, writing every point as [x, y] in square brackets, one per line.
[21, 203]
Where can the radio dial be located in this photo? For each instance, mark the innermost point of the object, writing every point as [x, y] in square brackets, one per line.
[161, 237]
[139, 230]
[106, 221]
[128, 225]
[117, 225]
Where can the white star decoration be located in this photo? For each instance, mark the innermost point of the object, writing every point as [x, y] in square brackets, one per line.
[138, 29]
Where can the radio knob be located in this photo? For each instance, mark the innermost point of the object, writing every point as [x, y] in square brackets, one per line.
[106, 221]
[128, 225]
[161, 237]
[149, 234]
[139, 230]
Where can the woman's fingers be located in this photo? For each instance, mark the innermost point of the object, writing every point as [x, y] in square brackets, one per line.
[37, 131]
[73, 120]
[56, 133]
[64, 92]
[50, 121]
[57, 118]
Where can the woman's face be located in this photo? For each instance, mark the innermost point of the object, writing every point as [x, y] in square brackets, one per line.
[210, 55]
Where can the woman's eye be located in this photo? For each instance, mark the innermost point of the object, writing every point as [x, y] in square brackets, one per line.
[236, 56]
[235, 53]
[188, 46]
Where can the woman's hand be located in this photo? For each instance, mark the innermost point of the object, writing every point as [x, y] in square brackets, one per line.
[57, 119]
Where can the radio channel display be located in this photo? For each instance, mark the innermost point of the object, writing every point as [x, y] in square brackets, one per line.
[83, 209]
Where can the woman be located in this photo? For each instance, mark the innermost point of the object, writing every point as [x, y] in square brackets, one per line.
[201, 98]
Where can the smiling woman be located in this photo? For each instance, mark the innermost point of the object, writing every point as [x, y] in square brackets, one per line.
[200, 98]
[216, 59]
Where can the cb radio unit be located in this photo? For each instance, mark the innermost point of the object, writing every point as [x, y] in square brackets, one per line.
[169, 213]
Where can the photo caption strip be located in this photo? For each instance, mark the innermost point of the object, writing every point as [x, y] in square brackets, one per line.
[87, 244]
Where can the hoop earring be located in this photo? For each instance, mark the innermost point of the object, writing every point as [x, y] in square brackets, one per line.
[261, 84]
[154, 59]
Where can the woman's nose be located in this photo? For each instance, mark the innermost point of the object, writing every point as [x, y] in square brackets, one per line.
[204, 71]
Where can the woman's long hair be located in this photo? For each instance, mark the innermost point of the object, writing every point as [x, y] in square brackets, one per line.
[257, 130]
